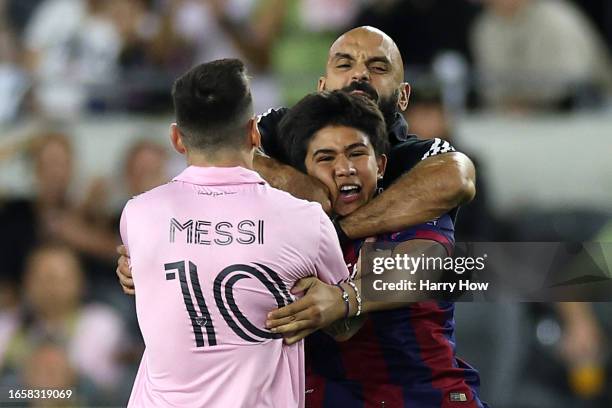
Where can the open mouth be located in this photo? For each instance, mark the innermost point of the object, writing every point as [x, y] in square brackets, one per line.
[349, 193]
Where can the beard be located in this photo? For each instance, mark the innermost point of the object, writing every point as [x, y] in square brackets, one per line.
[388, 107]
[386, 104]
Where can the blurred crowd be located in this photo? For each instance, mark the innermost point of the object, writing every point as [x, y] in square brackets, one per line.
[64, 322]
[60, 58]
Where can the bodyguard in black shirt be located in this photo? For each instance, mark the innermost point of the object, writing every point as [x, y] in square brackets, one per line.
[425, 179]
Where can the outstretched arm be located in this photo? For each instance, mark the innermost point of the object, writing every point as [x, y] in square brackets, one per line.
[322, 305]
[432, 188]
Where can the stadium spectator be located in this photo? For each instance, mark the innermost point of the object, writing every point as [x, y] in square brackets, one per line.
[407, 20]
[145, 167]
[26, 221]
[581, 349]
[538, 54]
[90, 334]
[231, 29]
[71, 46]
[48, 367]
[51, 214]
[147, 40]
[426, 114]
[151, 55]
[304, 30]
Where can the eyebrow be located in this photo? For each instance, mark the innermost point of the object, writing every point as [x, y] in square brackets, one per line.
[332, 151]
[340, 55]
[323, 151]
[380, 58]
[356, 145]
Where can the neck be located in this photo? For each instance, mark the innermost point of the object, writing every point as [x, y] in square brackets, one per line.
[221, 158]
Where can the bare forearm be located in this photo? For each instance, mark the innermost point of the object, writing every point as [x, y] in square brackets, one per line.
[431, 189]
[274, 172]
[293, 181]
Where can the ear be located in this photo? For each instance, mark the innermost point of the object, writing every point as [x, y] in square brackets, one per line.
[254, 135]
[321, 84]
[404, 96]
[177, 139]
[382, 165]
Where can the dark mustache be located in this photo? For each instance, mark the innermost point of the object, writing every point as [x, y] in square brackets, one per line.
[362, 86]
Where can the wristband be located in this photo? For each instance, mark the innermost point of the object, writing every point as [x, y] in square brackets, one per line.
[357, 296]
[345, 298]
[342, 237]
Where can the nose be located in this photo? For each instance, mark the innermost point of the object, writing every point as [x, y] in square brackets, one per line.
[344, 167]
[360, 73]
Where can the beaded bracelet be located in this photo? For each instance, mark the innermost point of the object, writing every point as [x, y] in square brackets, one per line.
[345, 298]
[357, 296]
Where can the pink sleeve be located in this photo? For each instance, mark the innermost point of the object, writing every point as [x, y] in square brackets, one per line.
[330, 264]
[123, 226]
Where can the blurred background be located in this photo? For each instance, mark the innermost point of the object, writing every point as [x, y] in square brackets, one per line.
[522, 86]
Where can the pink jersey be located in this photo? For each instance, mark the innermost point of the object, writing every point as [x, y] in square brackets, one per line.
[212, 252]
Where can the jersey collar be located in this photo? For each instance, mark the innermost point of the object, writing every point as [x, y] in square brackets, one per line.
[218, 176]
[398, 131]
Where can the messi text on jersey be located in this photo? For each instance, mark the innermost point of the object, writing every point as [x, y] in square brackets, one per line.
[203, 232]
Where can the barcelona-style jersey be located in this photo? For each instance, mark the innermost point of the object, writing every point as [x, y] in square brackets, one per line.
[400, 358]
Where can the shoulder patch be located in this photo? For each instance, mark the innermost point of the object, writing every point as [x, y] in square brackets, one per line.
[439, 146]
[271, 111]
